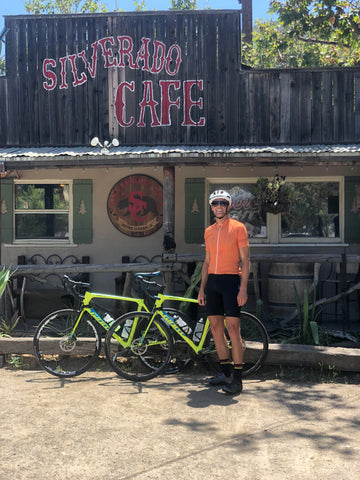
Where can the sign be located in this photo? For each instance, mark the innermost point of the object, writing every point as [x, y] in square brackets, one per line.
[152, 57]
[135, 205]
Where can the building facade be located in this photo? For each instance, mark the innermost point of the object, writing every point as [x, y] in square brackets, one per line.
[115, 127]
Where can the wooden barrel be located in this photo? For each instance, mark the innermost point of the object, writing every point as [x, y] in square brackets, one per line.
[282, 280]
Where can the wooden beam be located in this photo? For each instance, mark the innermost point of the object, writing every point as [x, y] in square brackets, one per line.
[342, 359]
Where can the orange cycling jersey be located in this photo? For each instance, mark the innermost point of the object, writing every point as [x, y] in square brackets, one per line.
[223, 242]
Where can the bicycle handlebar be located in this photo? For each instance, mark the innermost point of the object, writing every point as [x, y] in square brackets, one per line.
[74, 285]
[147, 284]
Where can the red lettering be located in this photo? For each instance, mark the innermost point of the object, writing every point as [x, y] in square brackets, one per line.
[48, 74]
[63, 73]
[169, 60]
[120, 103]
[126, 50]
[189, 103]
[91, 68]
[166, 103]
[143, 54]
[107, 53]
[158, 57]
[148, 101]
[77, 81]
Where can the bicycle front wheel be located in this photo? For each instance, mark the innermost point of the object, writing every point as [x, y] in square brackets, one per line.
[255, 344]
[62, 350]
[138, 349]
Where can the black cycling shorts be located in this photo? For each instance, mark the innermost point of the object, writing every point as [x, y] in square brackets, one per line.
[221, 295]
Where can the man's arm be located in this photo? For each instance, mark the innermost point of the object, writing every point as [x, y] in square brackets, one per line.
[245, 272]
[204, 277]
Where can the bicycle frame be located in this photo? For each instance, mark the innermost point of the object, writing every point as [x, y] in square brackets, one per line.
[85, 307]
[160, 299]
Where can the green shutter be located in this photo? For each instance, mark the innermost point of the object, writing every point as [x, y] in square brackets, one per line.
[82, 214]
[7, 211]
[352, 209]
[194, 210]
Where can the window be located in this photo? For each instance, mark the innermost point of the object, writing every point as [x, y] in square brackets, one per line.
[42, 211]
[315, 212]
[244, 207]
[46, 211]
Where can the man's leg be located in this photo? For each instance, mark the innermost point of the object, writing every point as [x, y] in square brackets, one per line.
[222, 349]
[237, 351]
[233, 327]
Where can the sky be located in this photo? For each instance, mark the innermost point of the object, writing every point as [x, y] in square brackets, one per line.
[260, 7]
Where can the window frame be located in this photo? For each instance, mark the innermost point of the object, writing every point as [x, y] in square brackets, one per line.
[44, 241]
[273, 222]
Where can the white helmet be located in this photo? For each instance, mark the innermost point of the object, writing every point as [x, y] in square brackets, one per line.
[220, 195]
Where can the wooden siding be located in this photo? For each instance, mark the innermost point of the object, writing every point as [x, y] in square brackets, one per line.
[240, 107]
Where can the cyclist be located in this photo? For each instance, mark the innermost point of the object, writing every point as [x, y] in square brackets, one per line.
[224, 286]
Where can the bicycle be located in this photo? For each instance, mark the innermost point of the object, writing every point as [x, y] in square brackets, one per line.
[67, 342]
[139, 345]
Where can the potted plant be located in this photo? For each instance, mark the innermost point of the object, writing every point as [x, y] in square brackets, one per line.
[273, 194]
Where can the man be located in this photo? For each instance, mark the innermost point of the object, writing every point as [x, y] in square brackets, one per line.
[226, 244]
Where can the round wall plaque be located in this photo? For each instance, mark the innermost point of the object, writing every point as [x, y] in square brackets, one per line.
[135, 205]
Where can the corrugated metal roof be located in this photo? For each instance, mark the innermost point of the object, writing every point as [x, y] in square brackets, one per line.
[72, 157]
[17, 152]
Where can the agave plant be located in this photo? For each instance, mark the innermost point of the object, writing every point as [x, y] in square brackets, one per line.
[7, 325]
[309, 329]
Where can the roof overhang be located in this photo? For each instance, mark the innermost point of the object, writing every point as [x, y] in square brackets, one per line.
[67, 157]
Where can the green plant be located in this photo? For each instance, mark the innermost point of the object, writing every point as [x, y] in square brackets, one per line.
[4, 278]
[7, 327]
[331, 373]
[16, 362]
[309, 329]
[195, 279]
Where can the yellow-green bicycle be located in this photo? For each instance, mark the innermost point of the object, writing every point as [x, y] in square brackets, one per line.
[139, 345]
[67, 342]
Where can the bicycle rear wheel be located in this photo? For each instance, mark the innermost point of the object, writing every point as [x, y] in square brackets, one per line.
[255, 344]
[62, 351]
[180, 357]
[136, 350]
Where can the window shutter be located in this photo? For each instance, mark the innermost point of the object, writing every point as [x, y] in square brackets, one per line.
[352, 209]
[7, 211]
[82, 211]
[194, 210]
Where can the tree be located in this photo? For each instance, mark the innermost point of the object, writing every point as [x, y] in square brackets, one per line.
[183, 5]
[273, 47]
[37, 7]
[307, 33]
[321, 21]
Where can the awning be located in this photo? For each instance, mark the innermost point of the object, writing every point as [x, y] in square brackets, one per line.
[57, 157]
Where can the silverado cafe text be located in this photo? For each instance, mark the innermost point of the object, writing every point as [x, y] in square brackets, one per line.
[114, 129]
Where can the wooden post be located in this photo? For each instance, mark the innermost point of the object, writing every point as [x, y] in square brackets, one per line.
[246, 20]
[169, 244]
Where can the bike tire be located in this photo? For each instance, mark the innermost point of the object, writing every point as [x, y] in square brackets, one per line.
[61, 354]
[255, 344]
[180, 358]
[133, 361]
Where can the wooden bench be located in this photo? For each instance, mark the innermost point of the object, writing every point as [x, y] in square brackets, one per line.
[36, 295]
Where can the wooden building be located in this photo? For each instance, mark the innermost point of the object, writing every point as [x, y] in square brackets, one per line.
[115, 127]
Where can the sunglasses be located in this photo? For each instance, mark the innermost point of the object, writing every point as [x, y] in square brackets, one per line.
[220, 203]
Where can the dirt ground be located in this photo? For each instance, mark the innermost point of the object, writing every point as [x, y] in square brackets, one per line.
[99, 426]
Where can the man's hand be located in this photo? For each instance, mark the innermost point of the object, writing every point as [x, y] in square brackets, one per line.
[201, 298]
[241, 297]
